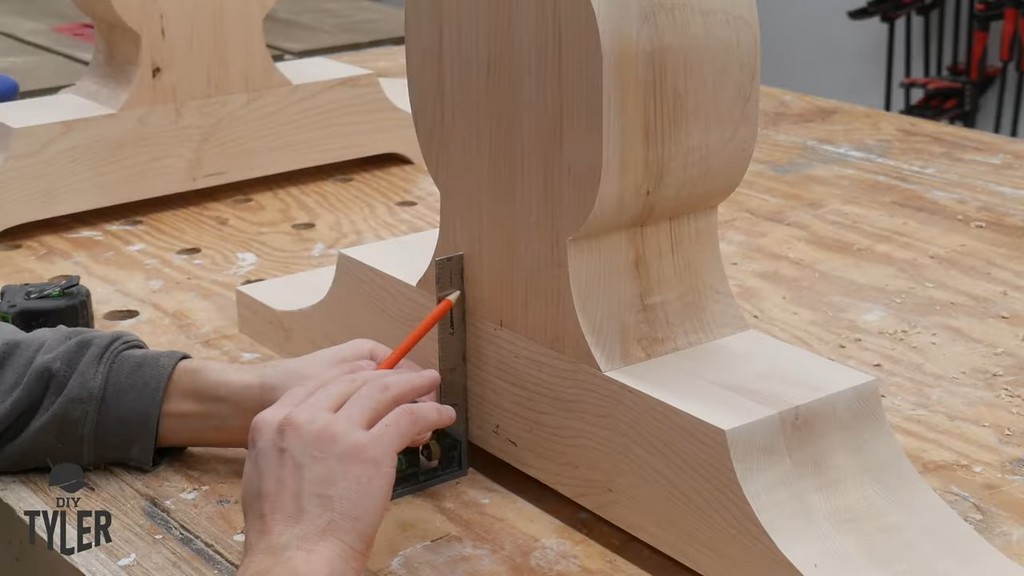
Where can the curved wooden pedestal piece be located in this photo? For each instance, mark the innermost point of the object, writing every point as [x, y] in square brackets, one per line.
[744, 456]
[582, 148]
[184, 95]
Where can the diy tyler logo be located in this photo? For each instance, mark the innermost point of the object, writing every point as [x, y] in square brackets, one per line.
[96, 523]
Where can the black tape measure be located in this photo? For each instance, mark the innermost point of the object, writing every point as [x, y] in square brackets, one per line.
[61, 302]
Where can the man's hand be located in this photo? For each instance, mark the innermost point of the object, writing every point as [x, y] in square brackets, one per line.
[212, 404]
[279, 376]
[321, 468]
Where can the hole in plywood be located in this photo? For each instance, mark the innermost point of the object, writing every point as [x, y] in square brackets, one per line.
[129, 223]
[343, 179]
[303, 226]
[189, 251]
[10, 246]
[407, 203]
[241, 200]
[121, 315]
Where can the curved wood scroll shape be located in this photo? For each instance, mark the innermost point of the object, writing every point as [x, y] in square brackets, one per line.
[182, 95]
[582, 148]
[152, 52]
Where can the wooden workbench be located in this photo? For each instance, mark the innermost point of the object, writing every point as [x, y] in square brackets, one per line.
[893, 245]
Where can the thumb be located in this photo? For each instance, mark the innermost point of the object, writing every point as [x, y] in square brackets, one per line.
[421, 440]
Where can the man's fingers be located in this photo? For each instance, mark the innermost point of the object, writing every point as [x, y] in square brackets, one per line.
[374, 352]
[332, 396]
[357, 366]
[392, 389]
[407, 365]
[296, 396]
[364, 349]
[301, 394]
[408, 423]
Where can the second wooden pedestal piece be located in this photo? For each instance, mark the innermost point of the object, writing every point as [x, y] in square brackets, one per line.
[182, 95]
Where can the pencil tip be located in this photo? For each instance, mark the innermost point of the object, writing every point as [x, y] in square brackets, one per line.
[455, 296]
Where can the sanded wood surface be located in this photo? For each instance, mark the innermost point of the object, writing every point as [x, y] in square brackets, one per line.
[603, 335]
[196, 111]
[842, 239]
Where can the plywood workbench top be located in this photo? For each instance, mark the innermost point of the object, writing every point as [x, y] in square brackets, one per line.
[892, 245]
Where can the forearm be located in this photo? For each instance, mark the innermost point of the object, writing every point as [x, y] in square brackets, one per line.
[210, 404]
[81, 396]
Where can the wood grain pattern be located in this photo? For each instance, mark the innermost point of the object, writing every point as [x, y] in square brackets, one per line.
[176, 261]
[861, 219]
[903, 267]
[617, 162]
[57, 166]
[740, 456]
[183, 96]
[152, 53]
[779, 462]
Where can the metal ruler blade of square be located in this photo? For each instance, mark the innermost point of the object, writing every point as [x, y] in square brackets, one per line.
[451, 445]
[451, 346]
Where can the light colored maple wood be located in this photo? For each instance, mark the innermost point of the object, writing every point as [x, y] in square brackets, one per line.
[176, 260]
[154, 52]
[733, 452]
[612, 157]
[745, 455]
[182, 96]
[843, 239]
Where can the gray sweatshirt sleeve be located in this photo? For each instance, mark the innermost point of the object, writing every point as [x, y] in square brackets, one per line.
[81, 396]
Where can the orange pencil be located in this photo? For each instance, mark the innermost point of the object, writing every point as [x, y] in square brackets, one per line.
[414, 338]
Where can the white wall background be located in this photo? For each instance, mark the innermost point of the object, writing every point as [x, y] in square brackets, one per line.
[811, 46]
